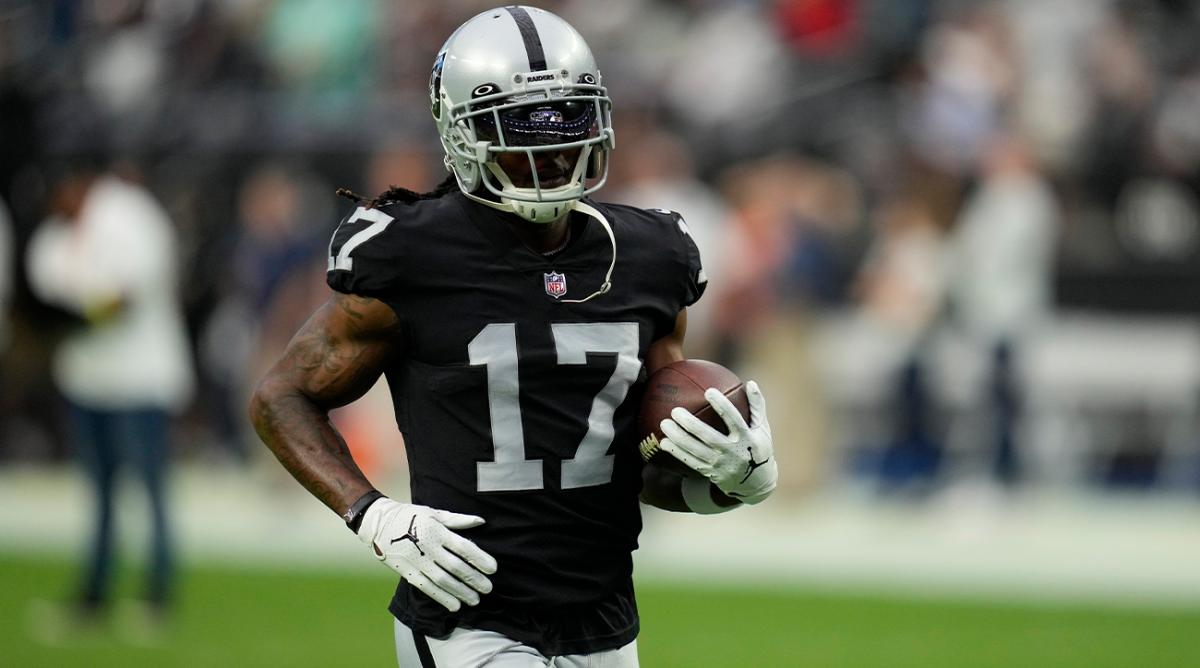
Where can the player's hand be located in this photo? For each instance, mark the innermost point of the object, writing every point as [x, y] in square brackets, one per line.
[742, 464]
[417, 542]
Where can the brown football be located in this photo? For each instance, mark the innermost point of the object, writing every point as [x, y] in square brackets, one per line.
[683, 384]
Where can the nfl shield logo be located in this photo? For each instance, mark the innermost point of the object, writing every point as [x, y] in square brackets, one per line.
[556, 284]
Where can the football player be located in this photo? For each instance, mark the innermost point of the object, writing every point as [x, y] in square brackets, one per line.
[515, 320]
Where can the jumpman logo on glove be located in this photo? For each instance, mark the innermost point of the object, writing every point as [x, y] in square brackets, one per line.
[751, 465]
[411, 535]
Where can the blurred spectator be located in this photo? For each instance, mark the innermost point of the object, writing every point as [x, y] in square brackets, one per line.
[819, 28]
[762, 329]
[902, 286]
[1125, 84]
[709, 86]
[321, 51]
[660, 174]
[827, 212]
[1001, 279]
[107, 255]
[969, 72]
[1054, 101]
[903, 279]
[758, 243]
[124, 72]
[274, 254]
[1004, 247]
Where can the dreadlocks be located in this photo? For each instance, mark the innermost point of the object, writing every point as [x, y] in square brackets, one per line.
[401, 195]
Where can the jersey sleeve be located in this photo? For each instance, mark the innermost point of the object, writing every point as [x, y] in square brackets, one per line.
[695, 280]
[365, 255]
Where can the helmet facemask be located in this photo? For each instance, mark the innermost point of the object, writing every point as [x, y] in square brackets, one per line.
[566, 130]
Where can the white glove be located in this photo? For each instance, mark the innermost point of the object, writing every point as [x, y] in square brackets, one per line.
[417, 542]
[742, 464]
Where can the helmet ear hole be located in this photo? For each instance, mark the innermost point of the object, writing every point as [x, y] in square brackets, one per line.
[468, 174]
[596, 163]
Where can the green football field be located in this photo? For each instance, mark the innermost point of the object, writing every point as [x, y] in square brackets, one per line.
[237, 616]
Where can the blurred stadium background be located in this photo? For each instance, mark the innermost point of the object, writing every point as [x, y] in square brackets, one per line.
[958, 242]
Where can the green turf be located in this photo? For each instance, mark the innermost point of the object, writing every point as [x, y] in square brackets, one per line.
[693, 627]
[231, 617]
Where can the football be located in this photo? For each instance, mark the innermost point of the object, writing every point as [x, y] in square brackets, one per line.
[683, 384]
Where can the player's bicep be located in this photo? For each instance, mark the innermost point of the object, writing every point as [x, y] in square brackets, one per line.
[341, 351]
[668, 348]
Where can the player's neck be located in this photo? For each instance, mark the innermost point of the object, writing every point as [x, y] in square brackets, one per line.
[542, 238]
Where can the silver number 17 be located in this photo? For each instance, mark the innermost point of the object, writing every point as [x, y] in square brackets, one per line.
[496, 348]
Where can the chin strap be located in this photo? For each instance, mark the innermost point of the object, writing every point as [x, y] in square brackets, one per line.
[585, 209]
[607, 284]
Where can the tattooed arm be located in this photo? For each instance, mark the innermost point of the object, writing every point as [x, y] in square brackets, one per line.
[334, 359]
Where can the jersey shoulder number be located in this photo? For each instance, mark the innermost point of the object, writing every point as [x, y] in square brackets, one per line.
[348, 236]
[363, 256]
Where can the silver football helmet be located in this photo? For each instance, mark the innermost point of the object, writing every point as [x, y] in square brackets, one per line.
[520, 111]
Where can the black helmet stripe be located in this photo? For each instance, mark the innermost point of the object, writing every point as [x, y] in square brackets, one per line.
[529, 34]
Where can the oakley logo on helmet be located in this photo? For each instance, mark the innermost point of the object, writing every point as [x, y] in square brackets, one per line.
[586, 78]
[485, 89]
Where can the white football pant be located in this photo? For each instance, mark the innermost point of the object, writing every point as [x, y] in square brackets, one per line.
[473, 648]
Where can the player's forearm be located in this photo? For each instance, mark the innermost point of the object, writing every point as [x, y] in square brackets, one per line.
[300, 435]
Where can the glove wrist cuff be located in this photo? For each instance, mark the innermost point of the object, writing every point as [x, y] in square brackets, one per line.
[354, 515]
[757, 497]
[697, 494]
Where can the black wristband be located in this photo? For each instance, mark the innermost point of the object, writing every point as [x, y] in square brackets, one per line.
[354, 516]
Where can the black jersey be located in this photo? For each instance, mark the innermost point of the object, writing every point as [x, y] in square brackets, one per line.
[518, 406]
